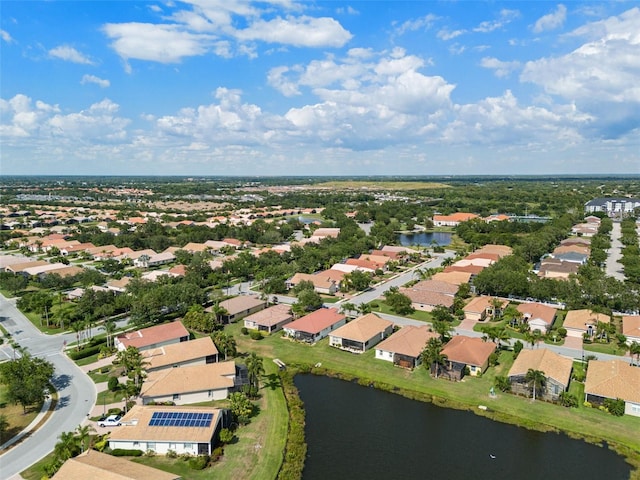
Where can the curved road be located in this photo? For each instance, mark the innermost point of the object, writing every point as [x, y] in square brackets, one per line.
[76, 391]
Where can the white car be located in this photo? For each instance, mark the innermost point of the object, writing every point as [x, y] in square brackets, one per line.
[110, 421]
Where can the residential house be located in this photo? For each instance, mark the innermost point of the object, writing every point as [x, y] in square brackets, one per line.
[316, 325]
[153, 337]
[579, 322]
[70, 249]
[466, 352]
[270, 319]
[92, 464]
[483, 307]
[147, 261]
[540, 317]
[119, 286]
[361, 334]
[189, 384]
[556, 269]
[455, 278]
[201, 351]
[452, 220]
[631, 328]
[53, 268]
[239, 307]
[326, 232]
[24, 265]
[321, 283]
[160, 429]
[556, 369]
[428, 294]
[404, 347]
[613, 379]
[8, 260]
[365, 265]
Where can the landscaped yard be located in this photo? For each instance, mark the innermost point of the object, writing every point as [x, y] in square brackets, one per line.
[15, 414]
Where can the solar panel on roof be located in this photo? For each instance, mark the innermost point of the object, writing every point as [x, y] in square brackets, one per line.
[181, 419]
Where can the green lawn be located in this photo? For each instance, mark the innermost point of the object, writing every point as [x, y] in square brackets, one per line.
[467, 394]
[417, 315]
[608, 348]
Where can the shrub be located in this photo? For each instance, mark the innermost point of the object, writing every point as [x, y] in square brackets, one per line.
[105, 369]
[614, 407]
[493, 359]
[244, 331]
[185, 456]
[374, 304]
[125, 452]
[502, 383]
[199, 463]
[216, 454]
[84, 353]
[226, 435]
[113, 384]
[150, 453]
[255, 335]
[172, 454]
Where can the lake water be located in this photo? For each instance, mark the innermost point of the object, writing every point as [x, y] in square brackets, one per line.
[425, 238]
[355, 432]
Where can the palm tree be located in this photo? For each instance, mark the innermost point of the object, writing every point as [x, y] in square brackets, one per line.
[496, 305]
[443, 329]
[255, 369]
[364, 308]
[347, 307]
[77, 327]
[109, 328]
[225, 343]
[634, 349]
[532, 336]
[536, 379]
[83, 433]
[67, 447]
[432, 355]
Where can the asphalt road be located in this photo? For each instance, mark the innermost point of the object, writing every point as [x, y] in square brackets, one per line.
[612, 266]
[77, 392]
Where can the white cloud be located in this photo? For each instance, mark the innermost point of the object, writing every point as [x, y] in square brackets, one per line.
[422, 23]
[446, 34]
[6, 36]
[69, 54]
[46, 125]
[93, 79]
[506, 17]
[551, 21]
[298, 31]
[600, 76]
[158, 43]
[500, 68]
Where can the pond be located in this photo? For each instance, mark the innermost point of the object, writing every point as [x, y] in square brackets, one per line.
[355, 432]
[425, 238]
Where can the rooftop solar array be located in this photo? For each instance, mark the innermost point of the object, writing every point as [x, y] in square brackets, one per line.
[180, 419]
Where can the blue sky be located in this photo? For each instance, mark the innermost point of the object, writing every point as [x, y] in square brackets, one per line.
[226, 87]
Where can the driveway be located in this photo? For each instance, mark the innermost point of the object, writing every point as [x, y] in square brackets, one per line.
[77, 393]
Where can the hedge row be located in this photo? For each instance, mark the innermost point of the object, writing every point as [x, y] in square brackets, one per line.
[85, 352]
[124, 452]
[295, 450]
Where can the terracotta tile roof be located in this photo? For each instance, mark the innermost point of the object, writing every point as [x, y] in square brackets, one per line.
[363, 263]
[409, 340]
[480, 304]
[271, 316]
[96, 465]
[455, 217]
[613, 379]
[316, 321]
[579, 319]
[468, 350]
[363, 328]
[189, 379]
[241, 303]
[469, 269]
[426, 297]
[318, 280]
[537, 311]
[19, 267]
[435, 286]
[153, 335]
[553, 365]
[135, 426]
[631, 325]
[502, 250]
[456, 278]
[179, 352]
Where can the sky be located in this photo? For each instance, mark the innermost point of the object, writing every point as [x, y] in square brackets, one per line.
[283, 87]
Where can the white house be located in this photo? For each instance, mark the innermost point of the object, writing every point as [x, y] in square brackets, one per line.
[183, 430]
[192, 384]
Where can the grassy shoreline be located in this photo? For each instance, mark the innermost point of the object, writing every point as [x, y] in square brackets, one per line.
[592, 425]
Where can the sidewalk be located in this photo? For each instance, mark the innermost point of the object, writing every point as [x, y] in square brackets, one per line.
[43, 411]
[103, 362]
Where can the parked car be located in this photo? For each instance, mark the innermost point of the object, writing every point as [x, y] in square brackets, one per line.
[110, 421]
